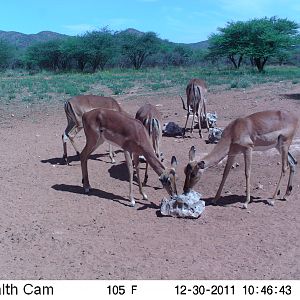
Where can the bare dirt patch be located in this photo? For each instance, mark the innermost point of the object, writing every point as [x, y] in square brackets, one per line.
[50, 230]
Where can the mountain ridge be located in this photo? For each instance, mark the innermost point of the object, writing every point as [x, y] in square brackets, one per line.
[23, 40]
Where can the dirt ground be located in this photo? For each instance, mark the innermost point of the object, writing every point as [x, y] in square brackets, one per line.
[49, 229]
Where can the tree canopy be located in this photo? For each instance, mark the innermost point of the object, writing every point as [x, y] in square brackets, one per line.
[6, 53]
[258, 39]
[138, 47]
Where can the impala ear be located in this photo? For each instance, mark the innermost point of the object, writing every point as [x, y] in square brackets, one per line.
[161, 178]
[173, 162]
[201, 164]
[188, 168]
[192, 153]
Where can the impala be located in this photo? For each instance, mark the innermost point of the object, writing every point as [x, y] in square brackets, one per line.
[259, 131]
[196, 103]
[128, 133]
[151, 119]
[75, 108]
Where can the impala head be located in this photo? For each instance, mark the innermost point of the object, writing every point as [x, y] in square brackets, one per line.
[193, 171]
[168, 178]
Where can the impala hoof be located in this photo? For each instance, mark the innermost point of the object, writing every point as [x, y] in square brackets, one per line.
[132, 204]
[245, 206]
[271, 202]
[87, 190]
[65, 160]
[145, 197]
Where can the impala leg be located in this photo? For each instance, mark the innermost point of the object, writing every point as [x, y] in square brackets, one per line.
[130, 171]
[64, 141]
[92, 143]
[156, 138]
[199, 122]
[71, 138]
[137, 168]
[248, 162]
[228, 166]
[111, 154]
[146, 175]
[292, 163]
[65, 137]
[283, 149]
[192, 127]
[205, 114]
[187, 118]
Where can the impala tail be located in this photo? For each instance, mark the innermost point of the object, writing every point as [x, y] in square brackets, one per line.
[69, 112]
[183, 104]
[154, 131]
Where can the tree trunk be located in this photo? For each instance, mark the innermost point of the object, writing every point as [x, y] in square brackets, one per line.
[231, 57]
[240, 61]
[260, 63]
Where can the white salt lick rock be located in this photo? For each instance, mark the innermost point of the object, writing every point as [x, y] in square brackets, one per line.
[183, 206]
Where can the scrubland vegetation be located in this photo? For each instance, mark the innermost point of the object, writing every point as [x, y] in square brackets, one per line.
[100, 62]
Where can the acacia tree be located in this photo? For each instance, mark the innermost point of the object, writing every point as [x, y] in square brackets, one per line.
[230, 43]
[137, 47]
[259, 39]
[268, 38]
[6, 53]
[99, 47]
[44, 54]
[75, 49]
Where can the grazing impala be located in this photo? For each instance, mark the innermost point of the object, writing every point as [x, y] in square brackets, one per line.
[196, 103]
[128, 133]
[151, 119]
[75, 108]
[259, 131]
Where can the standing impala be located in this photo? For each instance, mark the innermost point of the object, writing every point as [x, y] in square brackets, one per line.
[120, 129]
[196, 103]
[259, 131]
[75, 108]
[151, 119]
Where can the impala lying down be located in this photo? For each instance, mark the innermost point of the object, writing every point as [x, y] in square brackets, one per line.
[259, 131]
[117, 128]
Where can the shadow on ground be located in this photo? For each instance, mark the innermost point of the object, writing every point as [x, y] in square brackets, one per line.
[292, 96]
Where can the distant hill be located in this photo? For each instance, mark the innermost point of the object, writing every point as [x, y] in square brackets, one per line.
[199, 45]
[132, 31]
[22, 40]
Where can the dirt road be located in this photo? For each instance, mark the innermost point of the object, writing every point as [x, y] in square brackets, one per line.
[50, 230]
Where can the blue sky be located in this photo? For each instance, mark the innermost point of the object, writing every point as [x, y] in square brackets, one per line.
[184, 21]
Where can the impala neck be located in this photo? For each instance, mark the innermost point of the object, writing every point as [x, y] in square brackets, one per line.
[154, 162]
[219, 152]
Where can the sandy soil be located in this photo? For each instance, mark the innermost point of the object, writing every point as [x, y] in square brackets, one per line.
[50, 230]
